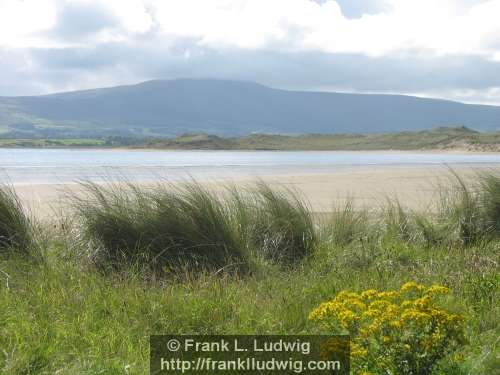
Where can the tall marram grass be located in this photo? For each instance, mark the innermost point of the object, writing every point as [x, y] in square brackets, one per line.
[171, 228]
[164, 228]
[346, 224]
[167, 228]
[467, 214]
[490, 201]
[279, 224]
[16, 227]
[398, 222]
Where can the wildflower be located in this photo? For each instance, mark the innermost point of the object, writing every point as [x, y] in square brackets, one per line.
[423, 302]
[437, 289]
[411, 286]
[406, 304]
[379, 305]
[346, 317]
[387, 295]
[415, 316]
[378, 322]
[370, 293]
[355, 304]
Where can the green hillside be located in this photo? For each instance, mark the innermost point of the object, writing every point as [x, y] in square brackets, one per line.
[227, 108]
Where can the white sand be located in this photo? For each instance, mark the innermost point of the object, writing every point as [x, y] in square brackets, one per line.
[415, 186]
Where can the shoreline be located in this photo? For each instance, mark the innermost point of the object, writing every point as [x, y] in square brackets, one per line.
[145, 149]
[416, 187]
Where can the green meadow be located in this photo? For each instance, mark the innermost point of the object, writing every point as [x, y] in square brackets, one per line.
[82, 294]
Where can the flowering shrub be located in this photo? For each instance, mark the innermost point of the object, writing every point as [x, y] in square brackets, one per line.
[394, 332]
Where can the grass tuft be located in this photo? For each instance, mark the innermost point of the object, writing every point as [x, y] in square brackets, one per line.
[398, 222]
[346, 225]
[490, 201]
[16, 227]
[279, 224]
[165, 228]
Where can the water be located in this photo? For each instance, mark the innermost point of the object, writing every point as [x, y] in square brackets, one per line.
[44, 166]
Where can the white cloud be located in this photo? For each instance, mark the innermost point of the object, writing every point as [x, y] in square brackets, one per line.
[21, 20]
[429, 27]
[392, 32]
[432, 27]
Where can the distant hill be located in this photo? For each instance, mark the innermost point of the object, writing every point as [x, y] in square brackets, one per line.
[174, 107]
[460, 139]
[457, 139]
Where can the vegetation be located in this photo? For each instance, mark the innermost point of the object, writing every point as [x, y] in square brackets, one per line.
[136, 261]
[459, 138]
[441, 138]
[401, 331]
[159, 228]
[17, 234]
[52, 143]
[278, 224]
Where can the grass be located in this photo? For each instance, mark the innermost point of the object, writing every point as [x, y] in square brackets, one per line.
[280, 226]
[17, 234]
[346, 225]
[66, 316]
[163, 229]
[179, 228]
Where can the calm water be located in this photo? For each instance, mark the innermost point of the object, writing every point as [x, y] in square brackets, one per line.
[29, 166]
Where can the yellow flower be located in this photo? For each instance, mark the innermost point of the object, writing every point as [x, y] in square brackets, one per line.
[422, 303]
[379, 305]
[437, 289]
[371, 313]
[378, 322]
[355, 304]
[411, 285]
[388, 295]
[346, 317]
[406, 304]
[344, 295]
[370, 293]
[415, 316]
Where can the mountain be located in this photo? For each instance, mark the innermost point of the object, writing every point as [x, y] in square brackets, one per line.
[173, 107]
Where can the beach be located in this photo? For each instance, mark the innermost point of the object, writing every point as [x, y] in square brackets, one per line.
[416, 187]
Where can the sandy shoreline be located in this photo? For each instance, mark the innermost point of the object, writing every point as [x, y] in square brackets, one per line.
[456, 150]
[415, 186]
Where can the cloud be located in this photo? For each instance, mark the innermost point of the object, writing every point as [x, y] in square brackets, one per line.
[358, 8]
[381, 27]
[80, 20]
[448, 48]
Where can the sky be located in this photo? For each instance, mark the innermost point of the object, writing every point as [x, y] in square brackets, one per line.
[435, 48]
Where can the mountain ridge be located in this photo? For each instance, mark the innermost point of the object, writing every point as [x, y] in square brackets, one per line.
[224, 107]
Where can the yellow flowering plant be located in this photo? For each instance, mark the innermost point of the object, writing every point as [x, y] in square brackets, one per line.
[394, 332]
